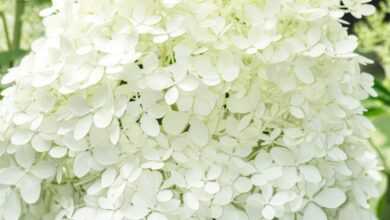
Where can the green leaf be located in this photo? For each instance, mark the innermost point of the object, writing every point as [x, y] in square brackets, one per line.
[381, 140]
[383, 208]
[11, 56]
[379, 85]
[383, 92]
[40, 2]
[375, 111]
[381, 136]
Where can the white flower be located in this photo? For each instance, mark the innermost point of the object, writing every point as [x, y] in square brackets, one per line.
[174, 28]
[142, 22]
[182, 109]
[359, 8]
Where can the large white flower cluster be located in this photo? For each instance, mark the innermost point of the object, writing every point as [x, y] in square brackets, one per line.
[189, 109]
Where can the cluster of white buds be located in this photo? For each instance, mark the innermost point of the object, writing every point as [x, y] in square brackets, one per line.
[189, 109]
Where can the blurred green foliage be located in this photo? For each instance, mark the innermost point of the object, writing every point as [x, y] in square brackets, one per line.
[374, 36]
[20, 24]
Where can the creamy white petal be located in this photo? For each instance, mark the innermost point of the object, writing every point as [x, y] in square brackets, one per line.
[330, 198]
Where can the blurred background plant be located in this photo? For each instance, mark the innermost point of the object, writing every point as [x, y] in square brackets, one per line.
[20, 24]
[374, 36]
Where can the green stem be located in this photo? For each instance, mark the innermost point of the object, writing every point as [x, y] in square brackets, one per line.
[86, 180]
[18, 25]
[6, 32]
[381, 88]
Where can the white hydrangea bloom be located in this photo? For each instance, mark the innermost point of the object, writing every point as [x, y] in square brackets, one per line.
[183, 109]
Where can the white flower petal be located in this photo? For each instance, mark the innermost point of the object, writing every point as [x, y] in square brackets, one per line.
[164, 196]
[336, 154]
[268, 212]
[106, 155]
[81, 164]
[304, 74]
[228, 66]
[30, 189]
[21, 137]
[204, 103]
[136, 212]
[171, 96]
[243, 185]
[198, 132]
[160, 38]
[174, 123]
[282, 156]
[314, 212]
[297, 112]
[84, 213]
[11, 175]
[281, 198]
[159, 81]
[191, 201]
[212, 187]
[330, 198]
[103, 117]
[232, 213]
[108, 177]
[157, 216]
[58, 152]
[25, 157]
[78, 106]
[310, 173]
[190, 83]
[82, 127]
[346, 45]
[223, 197]
[40, 144]
[43, 169]
[150, 125]
[12, 208]
[115, 132]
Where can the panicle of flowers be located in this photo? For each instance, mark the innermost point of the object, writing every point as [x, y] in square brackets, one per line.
[183, 109]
